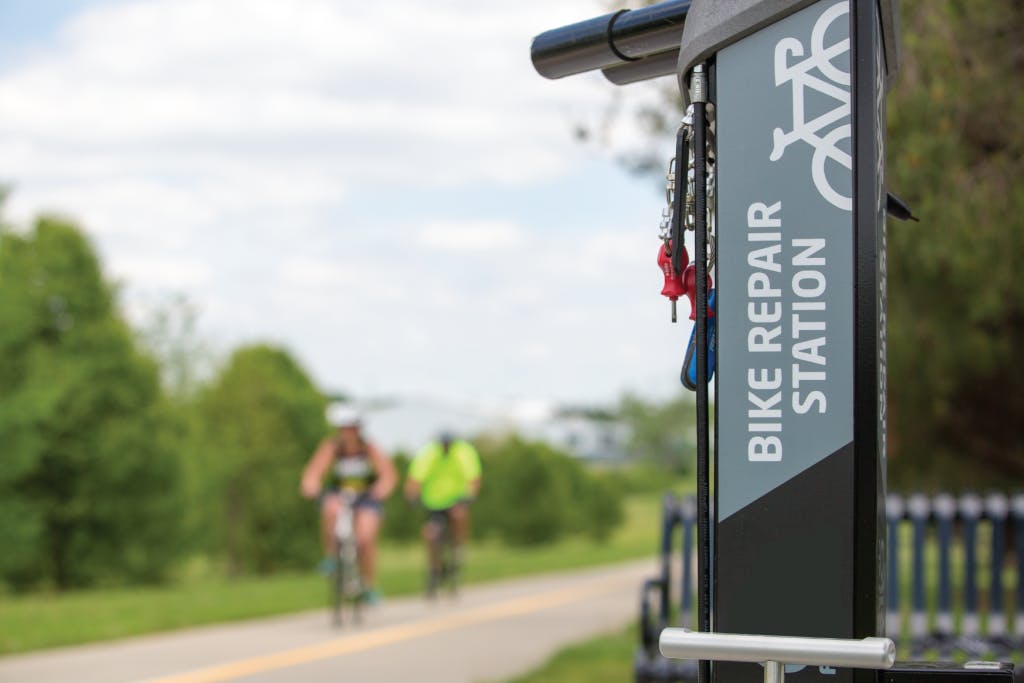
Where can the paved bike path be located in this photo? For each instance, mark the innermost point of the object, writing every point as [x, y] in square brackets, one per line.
[489, 633]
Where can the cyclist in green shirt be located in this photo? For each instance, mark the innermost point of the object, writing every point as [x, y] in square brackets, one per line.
[445, 477]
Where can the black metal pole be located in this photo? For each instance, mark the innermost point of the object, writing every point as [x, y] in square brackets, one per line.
[679, 199]
[700, 238]
[654, 66]
[609, 40]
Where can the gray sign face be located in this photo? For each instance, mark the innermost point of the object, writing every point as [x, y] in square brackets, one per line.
[785, 252]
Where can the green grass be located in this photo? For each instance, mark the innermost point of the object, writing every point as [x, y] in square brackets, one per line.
[39, 621]
[605, 659]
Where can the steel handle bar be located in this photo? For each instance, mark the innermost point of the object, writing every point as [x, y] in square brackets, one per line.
[652, 66]
[609, 40]
[867, 653]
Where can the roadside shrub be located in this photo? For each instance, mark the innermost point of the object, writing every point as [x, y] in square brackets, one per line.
[531, 494]
[534, 494]
[604, 507]
[402, 519]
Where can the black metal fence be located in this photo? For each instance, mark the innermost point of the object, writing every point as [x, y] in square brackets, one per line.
[953, 589]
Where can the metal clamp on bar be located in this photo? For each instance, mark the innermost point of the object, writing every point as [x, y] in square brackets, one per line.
[777, 651]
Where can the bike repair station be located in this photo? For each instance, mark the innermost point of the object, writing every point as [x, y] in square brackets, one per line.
[779, 171]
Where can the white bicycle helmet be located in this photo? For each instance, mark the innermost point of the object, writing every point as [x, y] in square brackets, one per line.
[342, 415]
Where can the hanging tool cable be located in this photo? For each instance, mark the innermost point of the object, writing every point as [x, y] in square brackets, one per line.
[679, 208]
[699, 97]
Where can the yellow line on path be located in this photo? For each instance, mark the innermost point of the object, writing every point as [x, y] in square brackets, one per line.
[389, 635]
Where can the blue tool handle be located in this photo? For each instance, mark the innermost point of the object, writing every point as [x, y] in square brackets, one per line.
[689, 374]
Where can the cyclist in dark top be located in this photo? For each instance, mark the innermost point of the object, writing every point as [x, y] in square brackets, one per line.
[350, 463]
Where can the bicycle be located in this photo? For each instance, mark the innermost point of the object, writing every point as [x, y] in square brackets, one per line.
[345, 581]
[442, 561]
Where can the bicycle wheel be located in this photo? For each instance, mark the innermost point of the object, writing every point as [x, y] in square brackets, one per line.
[435, 556]
[452, 567]
[445, 554]
[336, 583]
[354, 593]
[351, 584]
[434, 575]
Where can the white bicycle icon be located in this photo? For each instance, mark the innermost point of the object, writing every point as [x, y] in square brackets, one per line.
[834, 83]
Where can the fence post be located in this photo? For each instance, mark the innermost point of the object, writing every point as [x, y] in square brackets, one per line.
[998, 509]
[919, 508]
[944, 506]
[970, 514]
[1018, 552]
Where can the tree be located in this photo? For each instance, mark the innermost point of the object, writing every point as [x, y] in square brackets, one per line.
[90, 489]
[956, 311]
[170, 333]
[662, 434]
[259, 421]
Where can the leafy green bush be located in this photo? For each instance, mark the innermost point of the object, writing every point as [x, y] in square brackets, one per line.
[533, 494]
[644, 477]
[259, 422]
[402, 519]
[604, 506]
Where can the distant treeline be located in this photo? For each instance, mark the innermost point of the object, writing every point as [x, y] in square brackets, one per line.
[117, 467]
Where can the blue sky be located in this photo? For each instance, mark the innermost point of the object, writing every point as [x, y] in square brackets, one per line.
[27, 25]
[407, 210]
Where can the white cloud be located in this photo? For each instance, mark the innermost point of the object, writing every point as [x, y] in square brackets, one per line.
[470, 235]
[241, 151]
[168, 273]
[314, 273]
[170, 118]
[434, 82]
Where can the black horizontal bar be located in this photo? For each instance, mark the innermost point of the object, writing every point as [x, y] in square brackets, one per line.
[609, 40]
[654, 66]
